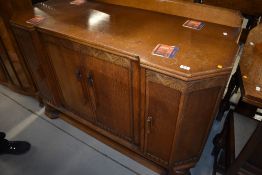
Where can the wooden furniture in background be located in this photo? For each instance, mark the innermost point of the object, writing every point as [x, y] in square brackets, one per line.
[248, 78]
[249, 7]
[248, 161]
[94, 67]
[13, 66]
[252, 10]
[250, 68]
[248, 74]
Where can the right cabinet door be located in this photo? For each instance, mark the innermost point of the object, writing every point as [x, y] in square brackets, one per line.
[162, 106]
[111, 89]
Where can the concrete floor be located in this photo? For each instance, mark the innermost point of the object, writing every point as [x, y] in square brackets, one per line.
[61, 149]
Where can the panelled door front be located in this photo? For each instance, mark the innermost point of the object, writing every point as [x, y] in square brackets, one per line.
[162, 106]
[70, 74]
[110, 86]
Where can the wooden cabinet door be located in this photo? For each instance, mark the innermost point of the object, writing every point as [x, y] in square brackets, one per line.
[162, 106]
[110, 86]
[69, 71]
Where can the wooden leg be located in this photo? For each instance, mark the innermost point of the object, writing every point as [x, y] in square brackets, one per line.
[51, 112]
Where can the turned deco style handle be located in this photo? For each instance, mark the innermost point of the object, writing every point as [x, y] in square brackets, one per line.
[79, 77]
[92, 92]
[90, 79]
[149, 124]
[78, 74]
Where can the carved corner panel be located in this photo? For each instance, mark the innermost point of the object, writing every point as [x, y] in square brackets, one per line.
[28, 46]
[194, 109]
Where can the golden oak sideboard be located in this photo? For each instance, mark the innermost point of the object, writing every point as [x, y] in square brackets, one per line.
[94, 67]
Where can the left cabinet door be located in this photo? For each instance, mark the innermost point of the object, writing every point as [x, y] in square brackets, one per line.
[69, 72]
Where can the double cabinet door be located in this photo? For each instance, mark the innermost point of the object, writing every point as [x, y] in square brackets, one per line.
[95, 85]
[103, 89]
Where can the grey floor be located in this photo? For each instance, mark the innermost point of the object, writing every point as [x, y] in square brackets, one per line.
[61, 149]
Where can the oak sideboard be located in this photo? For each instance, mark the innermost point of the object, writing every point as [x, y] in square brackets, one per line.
[94, 67]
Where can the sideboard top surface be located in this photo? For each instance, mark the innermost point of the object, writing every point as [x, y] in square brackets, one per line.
[137, 32]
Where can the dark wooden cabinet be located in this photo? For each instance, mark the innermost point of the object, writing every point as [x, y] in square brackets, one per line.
[8, 69]
[16, 71]
[247, 7]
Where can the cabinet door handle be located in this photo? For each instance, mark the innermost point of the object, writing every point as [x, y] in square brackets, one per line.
[149, 124]
[90, 79]
[78, 74]
[90, 82]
